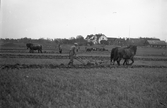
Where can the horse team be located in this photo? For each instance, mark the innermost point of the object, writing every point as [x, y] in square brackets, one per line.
[117, 53]
[126, 53]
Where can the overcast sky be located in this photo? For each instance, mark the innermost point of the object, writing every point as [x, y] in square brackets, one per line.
[69, 18]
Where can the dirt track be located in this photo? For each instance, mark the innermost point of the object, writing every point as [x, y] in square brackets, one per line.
[66, 57]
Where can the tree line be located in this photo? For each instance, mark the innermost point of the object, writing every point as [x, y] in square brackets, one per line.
[79, 39]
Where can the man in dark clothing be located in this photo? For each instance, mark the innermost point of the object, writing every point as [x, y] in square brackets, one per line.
[72, 53]
[60, 48]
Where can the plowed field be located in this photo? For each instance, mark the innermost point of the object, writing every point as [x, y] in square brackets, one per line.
[33, 80]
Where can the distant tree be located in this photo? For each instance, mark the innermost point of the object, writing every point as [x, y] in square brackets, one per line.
[49, 39]
[41, 40]
[79, 37]
[72, 40]
[65, 41]
[80, 40]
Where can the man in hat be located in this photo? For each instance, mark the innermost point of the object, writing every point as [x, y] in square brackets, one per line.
[60, 48]
[72, 53]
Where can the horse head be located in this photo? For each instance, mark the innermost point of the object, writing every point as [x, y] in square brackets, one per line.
[28, 45]
[133, 48]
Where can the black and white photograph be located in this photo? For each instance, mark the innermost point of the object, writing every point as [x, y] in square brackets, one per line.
[83, 53]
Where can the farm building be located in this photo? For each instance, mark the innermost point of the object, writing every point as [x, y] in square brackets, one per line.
[156, 43]
[120, 41]
[96, 39]
[137, 41]
[111, 40]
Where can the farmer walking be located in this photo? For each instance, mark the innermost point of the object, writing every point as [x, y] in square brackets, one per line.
[60, 48]
[72, 53]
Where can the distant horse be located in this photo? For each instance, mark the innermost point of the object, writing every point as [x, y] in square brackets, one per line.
[33, 47]
[125, 53]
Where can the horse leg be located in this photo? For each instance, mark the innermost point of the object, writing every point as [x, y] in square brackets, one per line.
[111, 58]
[125, 61]
[132, 61]
[114, 61]
[118, 61]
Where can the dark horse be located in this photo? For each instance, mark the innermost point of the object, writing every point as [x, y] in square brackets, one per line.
[125, 53]
[33, 47]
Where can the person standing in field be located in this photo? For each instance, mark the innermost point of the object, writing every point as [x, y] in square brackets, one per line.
[60, 48]
[72, 53]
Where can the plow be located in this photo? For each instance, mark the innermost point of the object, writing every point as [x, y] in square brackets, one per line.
[67, 57]
[91, 61]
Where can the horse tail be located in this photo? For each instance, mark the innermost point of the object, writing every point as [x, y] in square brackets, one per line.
[112, 55]
[135, 50]
[27, 46]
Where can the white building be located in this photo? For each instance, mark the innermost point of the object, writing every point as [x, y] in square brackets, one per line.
[96, 39]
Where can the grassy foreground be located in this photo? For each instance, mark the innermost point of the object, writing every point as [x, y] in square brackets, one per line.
[83, 88]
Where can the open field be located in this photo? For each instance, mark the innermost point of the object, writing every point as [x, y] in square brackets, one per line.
[35, 80]
[84, 88]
